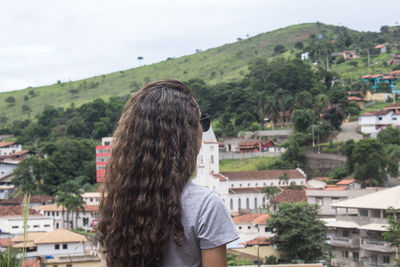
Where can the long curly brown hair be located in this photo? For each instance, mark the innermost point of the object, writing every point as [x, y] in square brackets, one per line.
[153, 156]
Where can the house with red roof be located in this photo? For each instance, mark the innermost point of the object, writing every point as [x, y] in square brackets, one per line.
[8, 148]
[382, 48]
[355, 99]
[254, 145]
[290, 196]
[251, 226]
[373, 122]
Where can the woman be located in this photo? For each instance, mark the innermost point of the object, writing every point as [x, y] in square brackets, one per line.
[152, 215]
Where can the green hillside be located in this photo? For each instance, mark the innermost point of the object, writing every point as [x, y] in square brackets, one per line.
[215, 65]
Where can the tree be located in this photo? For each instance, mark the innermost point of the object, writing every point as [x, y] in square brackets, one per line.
[334, 115]
[389, 135]
[299, 45]
[392, 234]
[371, 164]
[233, 259]
[279, 49]
[303, 119]
[298, 231]
[284, 179]
[10, 257]
[28, 175]
[270, 191]
[10, 100]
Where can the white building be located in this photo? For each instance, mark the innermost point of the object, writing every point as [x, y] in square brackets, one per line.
[56, 243]
[251, 226]
[91, 198]
[318, 182]
[86, 219]
[11, 221]
[356, 236]
[9, 148]
[238, 190]
[373, 122]
[7, 172]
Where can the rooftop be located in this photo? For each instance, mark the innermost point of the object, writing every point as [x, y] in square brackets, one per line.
[5, 144]
[15, 211]
[56, 236]
[347, 181]
[378, 200]
[33, 199]
[253, 218]
[290, 195]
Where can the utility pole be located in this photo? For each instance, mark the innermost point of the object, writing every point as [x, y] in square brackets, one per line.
[369, 62]
[313, 142]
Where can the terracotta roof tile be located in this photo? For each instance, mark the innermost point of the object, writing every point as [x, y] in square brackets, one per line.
[245, 190]
[56, 236]
[376, 113]
[335, 188]
[254, 218]
[291, 196]
[91, 208]
[346, 181]
[322, 179]
[260, 175]
[394, 73]
[5, 144]
[257, 241]
[220, 177]
[5, 242]
[33, 199]
[15, 211]
[31, 263]
[354, 98]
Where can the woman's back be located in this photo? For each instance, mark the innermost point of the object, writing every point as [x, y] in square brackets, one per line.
[206, 223]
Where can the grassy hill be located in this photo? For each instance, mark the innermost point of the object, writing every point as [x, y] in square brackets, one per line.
[224, 63]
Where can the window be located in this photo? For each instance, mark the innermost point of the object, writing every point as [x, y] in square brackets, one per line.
[266, 229]
[211, 148]
[240, 185]
[256, 184]
[57, 246]
[247, 203]
[345, 233]
[249, 227]
[239, 206]
[395, 119]
[36, 226]
[345, 254]
[364, 213]
[386, 259]
[248, 184]
[69, 265]
[14, 227]
[85, 221]
[231, 204]
[374, 259]
[240, 227]
[212, 159]
[255, 203]
[335, 199]
[47, 225]
[380, 118]
[65, 246]
[355, 256]
[375, 213]
[91, 199]
[58, 214]
[52, 213]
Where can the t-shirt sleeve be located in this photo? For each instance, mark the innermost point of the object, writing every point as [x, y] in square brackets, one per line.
[215, 226]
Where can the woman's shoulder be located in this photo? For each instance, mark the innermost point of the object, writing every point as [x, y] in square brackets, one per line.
[197, 193]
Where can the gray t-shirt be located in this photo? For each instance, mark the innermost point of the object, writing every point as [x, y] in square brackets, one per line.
[207, 224]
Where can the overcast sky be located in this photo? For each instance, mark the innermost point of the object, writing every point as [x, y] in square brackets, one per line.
[43, 41]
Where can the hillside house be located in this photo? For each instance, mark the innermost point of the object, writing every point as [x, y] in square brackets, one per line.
[232, 145]
[382, 48]
[347, 55]
[91, 198]
[376, 79]
[8, 148]
[395, 59]
[255, 146]
[356, 235]
[59, 242]
[355, 99]
[373, 122]
[16, 157]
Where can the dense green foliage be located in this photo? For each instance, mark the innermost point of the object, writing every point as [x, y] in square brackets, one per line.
[392, 233]
[233, 259]
[298, 232]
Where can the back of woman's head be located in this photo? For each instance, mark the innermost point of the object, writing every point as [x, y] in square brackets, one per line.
[153, 156]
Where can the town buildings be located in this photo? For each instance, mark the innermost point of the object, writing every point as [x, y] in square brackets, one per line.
[240, 191]
[102, 154]
[252, 226]
[356, 235]
[373, 122]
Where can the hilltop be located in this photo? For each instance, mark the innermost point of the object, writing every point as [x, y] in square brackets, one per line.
[225, 63]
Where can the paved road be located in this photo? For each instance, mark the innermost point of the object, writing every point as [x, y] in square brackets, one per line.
[348, 131]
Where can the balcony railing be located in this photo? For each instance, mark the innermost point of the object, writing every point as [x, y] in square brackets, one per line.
[341, 241]
[375, 245]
